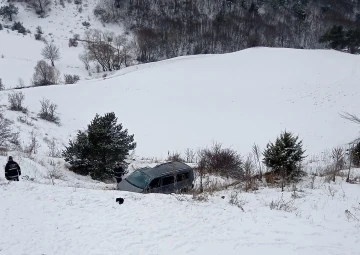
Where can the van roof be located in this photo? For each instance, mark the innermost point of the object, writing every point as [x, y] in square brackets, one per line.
[164, 168]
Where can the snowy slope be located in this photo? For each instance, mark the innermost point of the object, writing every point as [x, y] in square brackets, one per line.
[20, 53]
[236, 99]
[42, 219]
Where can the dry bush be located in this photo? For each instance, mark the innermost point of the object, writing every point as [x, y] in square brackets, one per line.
[71, 79]
[225, 162]
[6, 133]
[249, 170]
[54, 151]
[175, 156]
[25, 120]
[34, 144]
[190, 155]
[236, 201]
[54, 173]
[282, 205]
[338, 155]
[200, 197]
[16, 101]
[48, 111]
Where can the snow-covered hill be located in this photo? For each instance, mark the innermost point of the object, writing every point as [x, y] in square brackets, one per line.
[237, 99]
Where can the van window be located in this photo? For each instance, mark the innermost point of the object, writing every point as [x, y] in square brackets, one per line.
[168, 180]
[182, 176]
[154, 183]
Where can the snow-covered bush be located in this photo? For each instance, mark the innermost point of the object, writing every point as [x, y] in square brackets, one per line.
[45, 74]
[16, 101]
[18, 26]
[222, 161]
[48, 111]
[6, 132]
[71, 79]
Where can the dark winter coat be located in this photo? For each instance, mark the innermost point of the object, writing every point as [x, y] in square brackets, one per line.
[12, 170]
[118, 172]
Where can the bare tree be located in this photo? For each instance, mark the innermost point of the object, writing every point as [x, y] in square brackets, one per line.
[249, 171]
[190, 155]
[85, 58]
[351, 117]
[51, 52]
[337, 154]
[45, 74]
[40, 6]
[257, 154]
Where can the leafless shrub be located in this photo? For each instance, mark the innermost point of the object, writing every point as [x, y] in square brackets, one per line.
[16, 101]
[73, 42]
[332, 192]
[3, 151]
[54, 151]
[236, 201]
[6, 134]
[48, 111]
[249, 167]
[40, 6]
[25, 120]
[282, 205]
[338, 155]
[257, 154]
[200, 197]
[225, 162]
[350, 216]
[71, 79]
[312, 181]
[190, 155]
[85, 58]
[54, 173]
[34, 144]
[175, 156]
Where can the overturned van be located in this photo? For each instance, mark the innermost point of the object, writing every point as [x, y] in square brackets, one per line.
[171, 177]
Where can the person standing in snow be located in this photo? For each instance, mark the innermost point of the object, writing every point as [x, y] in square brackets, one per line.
[12, 170]
[118, 172]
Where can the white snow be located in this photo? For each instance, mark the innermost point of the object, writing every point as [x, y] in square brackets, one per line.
[43, 219]
[237, 99]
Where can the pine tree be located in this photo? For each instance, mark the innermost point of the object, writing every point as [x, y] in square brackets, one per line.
[96, 151]
[8, 11]
[285, 155]
[335, 38]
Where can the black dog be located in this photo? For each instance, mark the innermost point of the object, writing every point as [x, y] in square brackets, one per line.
[120, 200]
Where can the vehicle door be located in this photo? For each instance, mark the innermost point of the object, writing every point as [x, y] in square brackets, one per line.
[168, 184]
[154, 186]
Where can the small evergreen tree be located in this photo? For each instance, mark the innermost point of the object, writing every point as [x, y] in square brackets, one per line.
[285, 155]
[355, 155]
[96, 150]
[8, 11]
[335, 38]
